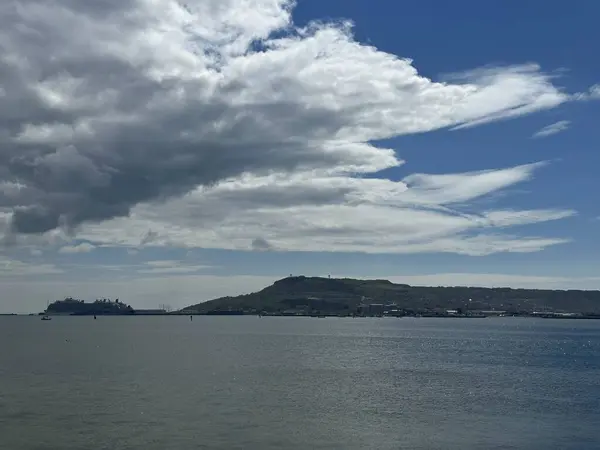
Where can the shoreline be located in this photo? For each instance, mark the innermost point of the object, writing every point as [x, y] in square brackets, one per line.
[325, 316]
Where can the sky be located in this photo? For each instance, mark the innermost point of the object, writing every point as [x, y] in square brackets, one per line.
[163, 152]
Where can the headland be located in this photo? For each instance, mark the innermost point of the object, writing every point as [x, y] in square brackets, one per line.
[319, 296]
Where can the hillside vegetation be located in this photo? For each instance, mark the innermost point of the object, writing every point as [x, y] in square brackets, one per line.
[347, 295]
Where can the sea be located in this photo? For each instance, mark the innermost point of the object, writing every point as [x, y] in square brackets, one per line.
[298, 383]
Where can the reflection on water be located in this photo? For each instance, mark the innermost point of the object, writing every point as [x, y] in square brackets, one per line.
[298, 383]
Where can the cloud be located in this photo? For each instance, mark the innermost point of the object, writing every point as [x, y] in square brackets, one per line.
[155, 100]
[261, 244]
[153, 267]
[84, 247]
[16, 268]
[490, 105]
[593, 93]
[171, 267]
[148, 238]
[554, 128]
[308, 212]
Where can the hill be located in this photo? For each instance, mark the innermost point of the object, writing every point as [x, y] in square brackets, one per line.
[315, 295]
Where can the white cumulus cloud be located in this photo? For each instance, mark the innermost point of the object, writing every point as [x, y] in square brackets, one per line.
[219, 123]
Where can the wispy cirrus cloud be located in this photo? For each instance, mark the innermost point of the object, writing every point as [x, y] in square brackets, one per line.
[554, 128]
[171, 267]
[593, 93]
[18, 268]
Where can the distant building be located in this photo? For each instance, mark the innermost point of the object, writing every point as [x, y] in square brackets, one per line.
[555, 314]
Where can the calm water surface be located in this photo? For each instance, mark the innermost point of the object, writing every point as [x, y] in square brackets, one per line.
[298, 383]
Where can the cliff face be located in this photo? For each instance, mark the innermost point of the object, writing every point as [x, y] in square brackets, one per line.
[345, 295]
[72, 306]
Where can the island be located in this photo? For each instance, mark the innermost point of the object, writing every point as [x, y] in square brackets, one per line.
[75, 307]
[101, 307]
[321, 297]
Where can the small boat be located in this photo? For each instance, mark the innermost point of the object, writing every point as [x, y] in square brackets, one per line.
[46, 318]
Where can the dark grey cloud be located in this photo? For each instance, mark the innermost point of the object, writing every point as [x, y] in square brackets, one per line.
[261, 244]
[148, 238]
